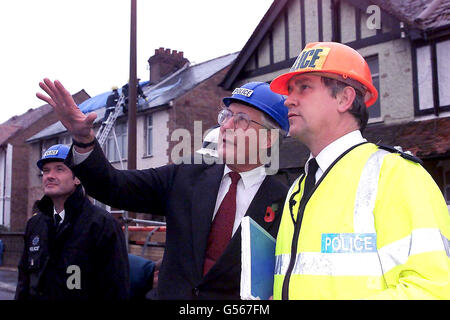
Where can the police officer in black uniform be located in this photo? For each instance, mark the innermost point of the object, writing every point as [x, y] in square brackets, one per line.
[74, 250]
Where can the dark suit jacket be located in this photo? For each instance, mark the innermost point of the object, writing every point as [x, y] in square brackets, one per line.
[186, 195]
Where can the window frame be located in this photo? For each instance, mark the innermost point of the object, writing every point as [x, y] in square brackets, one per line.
[122, 139]
[436, 108]
[148, 127]
[65, 139]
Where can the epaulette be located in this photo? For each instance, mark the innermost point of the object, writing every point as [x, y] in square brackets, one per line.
[404, 154]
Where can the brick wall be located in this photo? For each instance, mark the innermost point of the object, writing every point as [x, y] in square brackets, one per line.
[165, 62]
[20, 209]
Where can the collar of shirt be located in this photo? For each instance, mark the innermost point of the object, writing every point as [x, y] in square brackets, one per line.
[62, 214]
[332, 151]
[249, 178]
[246, 190]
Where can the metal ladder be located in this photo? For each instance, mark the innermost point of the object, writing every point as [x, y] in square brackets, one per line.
[104, 130]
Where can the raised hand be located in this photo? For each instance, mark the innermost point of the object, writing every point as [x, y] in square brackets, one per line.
[76, 122]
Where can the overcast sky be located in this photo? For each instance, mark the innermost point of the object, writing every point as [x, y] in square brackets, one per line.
[85, 43]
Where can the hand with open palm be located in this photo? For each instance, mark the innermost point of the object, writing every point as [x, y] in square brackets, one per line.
[79, 125]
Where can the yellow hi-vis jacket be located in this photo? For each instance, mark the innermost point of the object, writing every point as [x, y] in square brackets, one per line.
[375, 227]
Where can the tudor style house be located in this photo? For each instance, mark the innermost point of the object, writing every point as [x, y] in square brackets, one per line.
[407, 46]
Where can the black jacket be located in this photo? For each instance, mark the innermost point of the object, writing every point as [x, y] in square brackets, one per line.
[89, 238]
[186, 194]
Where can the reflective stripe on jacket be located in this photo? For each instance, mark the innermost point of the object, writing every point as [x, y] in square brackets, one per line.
[376, 226]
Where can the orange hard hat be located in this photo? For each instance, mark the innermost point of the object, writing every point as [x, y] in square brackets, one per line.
[332, 60]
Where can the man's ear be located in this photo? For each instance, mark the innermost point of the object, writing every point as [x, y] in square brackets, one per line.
[345, 99]
[77, 181]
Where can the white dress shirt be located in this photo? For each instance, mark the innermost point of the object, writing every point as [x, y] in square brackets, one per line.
[332, 151]
[246, 190]
[62, 214]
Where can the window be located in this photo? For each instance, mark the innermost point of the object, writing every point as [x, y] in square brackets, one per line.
[67, 140]
[122, 143]
[432, 77]
[374, 110]
[443, 72]
[424, 78]
[149, 135]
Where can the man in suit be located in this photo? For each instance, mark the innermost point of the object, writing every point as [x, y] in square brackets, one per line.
[203, 204]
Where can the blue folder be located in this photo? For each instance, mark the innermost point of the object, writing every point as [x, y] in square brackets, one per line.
[258, 261]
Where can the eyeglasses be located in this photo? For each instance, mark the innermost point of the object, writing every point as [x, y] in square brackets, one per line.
[240, 119]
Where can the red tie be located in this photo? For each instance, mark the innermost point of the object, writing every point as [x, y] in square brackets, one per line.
[222, 225]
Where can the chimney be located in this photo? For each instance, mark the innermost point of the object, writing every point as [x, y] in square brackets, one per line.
[164, 63]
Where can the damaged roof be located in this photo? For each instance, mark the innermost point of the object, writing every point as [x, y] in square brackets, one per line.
[160, 94]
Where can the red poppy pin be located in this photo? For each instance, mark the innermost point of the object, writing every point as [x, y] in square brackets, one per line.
[270, 213]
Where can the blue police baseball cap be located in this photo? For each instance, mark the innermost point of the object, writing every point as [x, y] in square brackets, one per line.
[57, 152]
[259, 95]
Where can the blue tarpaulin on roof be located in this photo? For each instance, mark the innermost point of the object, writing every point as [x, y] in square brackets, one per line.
[96, 102]
[99, 101]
